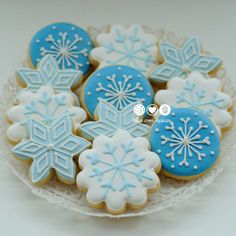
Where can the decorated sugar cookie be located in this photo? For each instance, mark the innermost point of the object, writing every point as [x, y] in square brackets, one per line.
[51, 148]
[48, 73]
[187, 143]
[182, 61]
[109, 120]
[69, 44]
[45, 106]
[118, 85]
[198, 93]
[130, 46]
[118, 172]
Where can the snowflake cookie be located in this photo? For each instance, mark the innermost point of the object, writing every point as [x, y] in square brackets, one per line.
[67, 43]
[118, 85]
[198, 93]
[45, 106]
[51, 148]
[187, 143]
[118, 172]
[130, 46]
[109, 120]
[181, 61]
[48, 73]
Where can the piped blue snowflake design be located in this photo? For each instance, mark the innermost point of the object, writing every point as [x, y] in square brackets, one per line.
[180, 62]
[51, 147]
[126, 46]
[117, 170]
[69, 44]
[187, 143]
[110, 120]
[48, 73]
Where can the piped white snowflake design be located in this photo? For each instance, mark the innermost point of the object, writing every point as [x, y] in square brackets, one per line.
[185, 141]
[199, 93]
[44, 106]
[120, 94]
[118, 170]
[65, 51]
[126, 46]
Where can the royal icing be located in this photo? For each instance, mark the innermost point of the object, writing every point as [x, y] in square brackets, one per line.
[130, 46]
[51, 147]
[69, 44]
[186, 141]
[45, 106]
[118, 85]
[181, 61]
[118, 170]
[198, 93]
[48, 73]
[110, 120]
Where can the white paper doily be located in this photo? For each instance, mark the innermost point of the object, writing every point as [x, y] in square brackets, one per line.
[171, 193]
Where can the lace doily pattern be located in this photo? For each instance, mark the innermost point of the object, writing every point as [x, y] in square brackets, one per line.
[172, 191]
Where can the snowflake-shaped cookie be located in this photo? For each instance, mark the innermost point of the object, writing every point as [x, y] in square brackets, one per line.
[182, 61]
[45, 106]
[130, 46]
[198, 93]
[118, 171]
[51, 148]
[118, 85]
[69, 44]
[110, 120]
[48, 73]
[186, 141]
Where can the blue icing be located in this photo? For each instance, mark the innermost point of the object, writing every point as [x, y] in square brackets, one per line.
[181, 61]
[48, 73]
[51, 147]
[118, 166]
[118, 85]
[187, 142]
[110, 120]
[69, 44]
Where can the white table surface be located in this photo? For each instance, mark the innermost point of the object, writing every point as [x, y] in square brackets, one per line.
[211, 212]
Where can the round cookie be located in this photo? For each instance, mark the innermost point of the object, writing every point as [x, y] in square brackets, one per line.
[187, 143]
[118, 85]
[118, 172]
[130, 46]
[69, 44]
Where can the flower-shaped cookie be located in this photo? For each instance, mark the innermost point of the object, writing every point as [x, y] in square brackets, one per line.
[44, 106]
[182, 61]
[48, 73]
[198, 93]
[109, 120]
[51, 147]
[130, 46]
[118, 172]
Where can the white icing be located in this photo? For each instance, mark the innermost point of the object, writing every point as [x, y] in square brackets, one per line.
[199, 93]
[130, 46]
[118, 170]
[42, 106]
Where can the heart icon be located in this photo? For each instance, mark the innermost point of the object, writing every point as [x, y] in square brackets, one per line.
[152, 109]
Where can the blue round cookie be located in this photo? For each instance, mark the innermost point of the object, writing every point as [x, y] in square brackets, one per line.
[186, 141]
[68, 43]
[119, 85]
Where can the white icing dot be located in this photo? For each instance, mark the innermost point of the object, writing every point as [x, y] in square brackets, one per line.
[148, 94]
[38, 60]
[196, 114]
[119, 68]
[37, 41]
[156, 130]
[87, 63]
[72, 28]
[212, 152]
[139, 76]
[172, 114]
[98, 75]
[172, 166]
[88, 43]
[212, 131]
[159, 151]
[88, 93]
[54, 27]
[195, 167]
